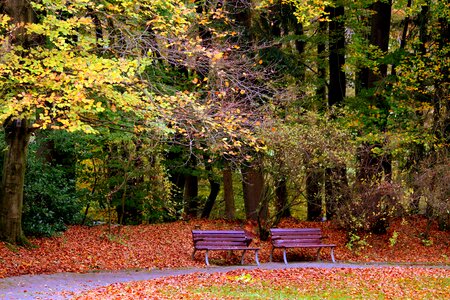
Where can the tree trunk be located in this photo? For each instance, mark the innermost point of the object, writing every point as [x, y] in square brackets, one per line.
[337, 86]
[214, 189]
[404, 35]
[373, 166]
[228, 194]
[282, 204]
[191, 196]
[253, 189]
[11, 193]
[442, 86]
[314, 194]
[321, 90]
[336, 185]
[380, 24]
[17, 136]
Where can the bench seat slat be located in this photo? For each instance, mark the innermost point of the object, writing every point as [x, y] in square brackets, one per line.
[296, 245]
[209, 244]
[300, 238]
[316, 234]
[225, 238]
[296, 230]
[225, 248]
[296, 241]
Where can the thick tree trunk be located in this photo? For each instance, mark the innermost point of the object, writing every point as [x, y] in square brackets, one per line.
[380, 24]
[337, 86]
[253, 189]
[214, 189]
[282, 204]
[373, 166]
[442, 86]
[17, 136]
[228, 193]
[13, 176]
[336, 185]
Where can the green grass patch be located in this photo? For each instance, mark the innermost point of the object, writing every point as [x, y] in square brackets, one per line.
[339, 286]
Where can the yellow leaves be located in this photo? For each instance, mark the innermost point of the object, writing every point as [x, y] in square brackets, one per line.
[4, 20]
[216, 56]
[306, 11]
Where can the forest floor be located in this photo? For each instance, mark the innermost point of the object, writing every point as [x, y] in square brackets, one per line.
[83, 255]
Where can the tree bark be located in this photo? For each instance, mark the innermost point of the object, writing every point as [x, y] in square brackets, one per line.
[17, 137]
[337, 86]
[228, 193]
[191, 196]
[321, 90]
[253, 189]
[373, 166]
[214, 189]
[442, 86]
[282, 204]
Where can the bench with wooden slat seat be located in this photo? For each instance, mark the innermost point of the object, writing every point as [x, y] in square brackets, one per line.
[298, 238]
[227, 240]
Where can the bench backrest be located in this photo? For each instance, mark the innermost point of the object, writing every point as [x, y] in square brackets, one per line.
[296, 236]
[218, 238]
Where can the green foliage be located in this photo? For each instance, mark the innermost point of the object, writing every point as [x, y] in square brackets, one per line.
[50, 199]
[122, 173]
[355, 242]
[393, 239]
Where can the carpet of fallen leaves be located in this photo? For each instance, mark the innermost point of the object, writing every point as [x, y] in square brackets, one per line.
[379, 283]
[83, 249]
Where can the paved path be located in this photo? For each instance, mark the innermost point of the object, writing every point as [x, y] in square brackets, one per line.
[52, 286]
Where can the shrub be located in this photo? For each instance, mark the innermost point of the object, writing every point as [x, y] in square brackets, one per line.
[433, 186]
[370, 208]
[50, 200]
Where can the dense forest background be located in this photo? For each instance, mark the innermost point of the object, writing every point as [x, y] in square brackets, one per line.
[151, 111]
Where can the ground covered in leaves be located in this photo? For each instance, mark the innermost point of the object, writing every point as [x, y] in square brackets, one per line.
[374, 283]
[83, 249]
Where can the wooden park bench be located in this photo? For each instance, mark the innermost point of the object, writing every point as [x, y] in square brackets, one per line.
[298, 238]
[227, 240]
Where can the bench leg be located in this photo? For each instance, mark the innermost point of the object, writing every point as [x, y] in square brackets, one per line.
[271, 254]
[256, 257]
[332, 254]
[318, 254]
[206, 258]
[242, 258]
[193, 254]
[284, 256]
